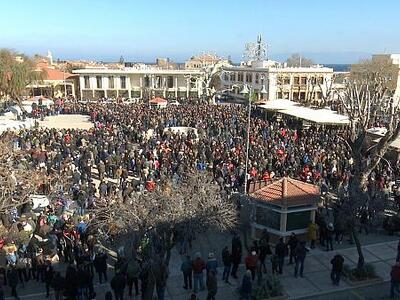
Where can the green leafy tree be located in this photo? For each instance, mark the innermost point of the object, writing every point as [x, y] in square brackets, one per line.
[16, 72]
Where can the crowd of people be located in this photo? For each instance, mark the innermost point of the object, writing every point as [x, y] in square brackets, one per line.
[130, 149]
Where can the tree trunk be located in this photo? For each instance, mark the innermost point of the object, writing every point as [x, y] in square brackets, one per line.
[360, 263]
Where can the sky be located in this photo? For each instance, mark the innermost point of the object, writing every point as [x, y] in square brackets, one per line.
[339, 31]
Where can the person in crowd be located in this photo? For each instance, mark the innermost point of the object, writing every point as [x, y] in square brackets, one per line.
[236, 254]
[337, 268]
[227, 261]
[118, 283]
[48, 277]
[300, 253]
[12, 277]
[281, 251]
[133, 274]
[212, 285]
[292, 244]
[251, 263]
[58, 285]
[312, 233]
[246, 286]
[212, 263]
[100, 265]
[186, 269]
[394, 280]
[329, 237]
[198, 272]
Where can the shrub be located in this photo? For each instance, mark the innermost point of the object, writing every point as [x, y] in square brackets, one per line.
[269, 287]
[359, 274]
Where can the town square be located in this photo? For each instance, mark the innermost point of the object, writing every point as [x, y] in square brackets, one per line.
[137, 163]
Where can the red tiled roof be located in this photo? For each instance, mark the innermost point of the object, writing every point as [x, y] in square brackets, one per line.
[51, 73]
[157, 100]
[286, 192]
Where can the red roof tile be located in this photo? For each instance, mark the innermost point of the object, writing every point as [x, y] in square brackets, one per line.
[286, 192]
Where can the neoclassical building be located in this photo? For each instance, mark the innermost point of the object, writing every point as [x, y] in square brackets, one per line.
[271, 80]
[143, 83]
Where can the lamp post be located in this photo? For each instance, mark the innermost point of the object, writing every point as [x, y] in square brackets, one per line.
[247, 91]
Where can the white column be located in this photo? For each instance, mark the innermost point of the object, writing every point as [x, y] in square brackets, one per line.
[141, 87]
[128, 85]
[187, 87]
[176, 87]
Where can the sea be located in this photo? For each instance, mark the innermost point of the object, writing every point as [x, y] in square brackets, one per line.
[339, 67]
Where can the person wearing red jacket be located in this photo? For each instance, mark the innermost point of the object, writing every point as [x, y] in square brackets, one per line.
[251, 263]
[198, 269]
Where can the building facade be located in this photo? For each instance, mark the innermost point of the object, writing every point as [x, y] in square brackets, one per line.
[143, 83]
[203, 61]
[271, 80]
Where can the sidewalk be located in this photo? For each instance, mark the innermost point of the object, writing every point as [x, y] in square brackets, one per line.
[316, 282]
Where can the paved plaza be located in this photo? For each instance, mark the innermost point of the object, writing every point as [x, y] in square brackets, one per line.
[316, 283]
[66, 122]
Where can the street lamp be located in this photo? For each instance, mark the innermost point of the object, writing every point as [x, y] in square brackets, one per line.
[247, 91]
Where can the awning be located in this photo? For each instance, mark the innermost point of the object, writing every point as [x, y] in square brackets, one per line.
[319, 116]
[278, 104]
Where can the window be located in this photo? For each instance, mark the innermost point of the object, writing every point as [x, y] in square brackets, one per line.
[286, 80]
[193, 82]
[98, 82]
[111, 82]
[87, 82]
[146, 81]
[240, 77]
[320, 80]
[158, 82]
[279, 95]
[298, 220]
[249, 77]
[268, 217]
[313, 80]
[296, 81]
[233, 77]
[170, 82]
[123, 82]
[257, 78]
[302, 95]
[318, 95]
[303, 80]
[295, 96]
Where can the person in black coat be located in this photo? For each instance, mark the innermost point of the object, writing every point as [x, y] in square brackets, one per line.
[292, 243]
[300, 253]
[12, 276]
[58, 285]
[48, 277]
[100, 265]
[280, 252]
[71, 282]
[337, 268]
[118, 284]
[227, 261]
[236, 254]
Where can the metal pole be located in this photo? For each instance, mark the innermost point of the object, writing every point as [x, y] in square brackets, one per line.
[247, 145]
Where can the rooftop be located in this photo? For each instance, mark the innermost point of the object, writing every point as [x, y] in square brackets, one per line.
[285, 192]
